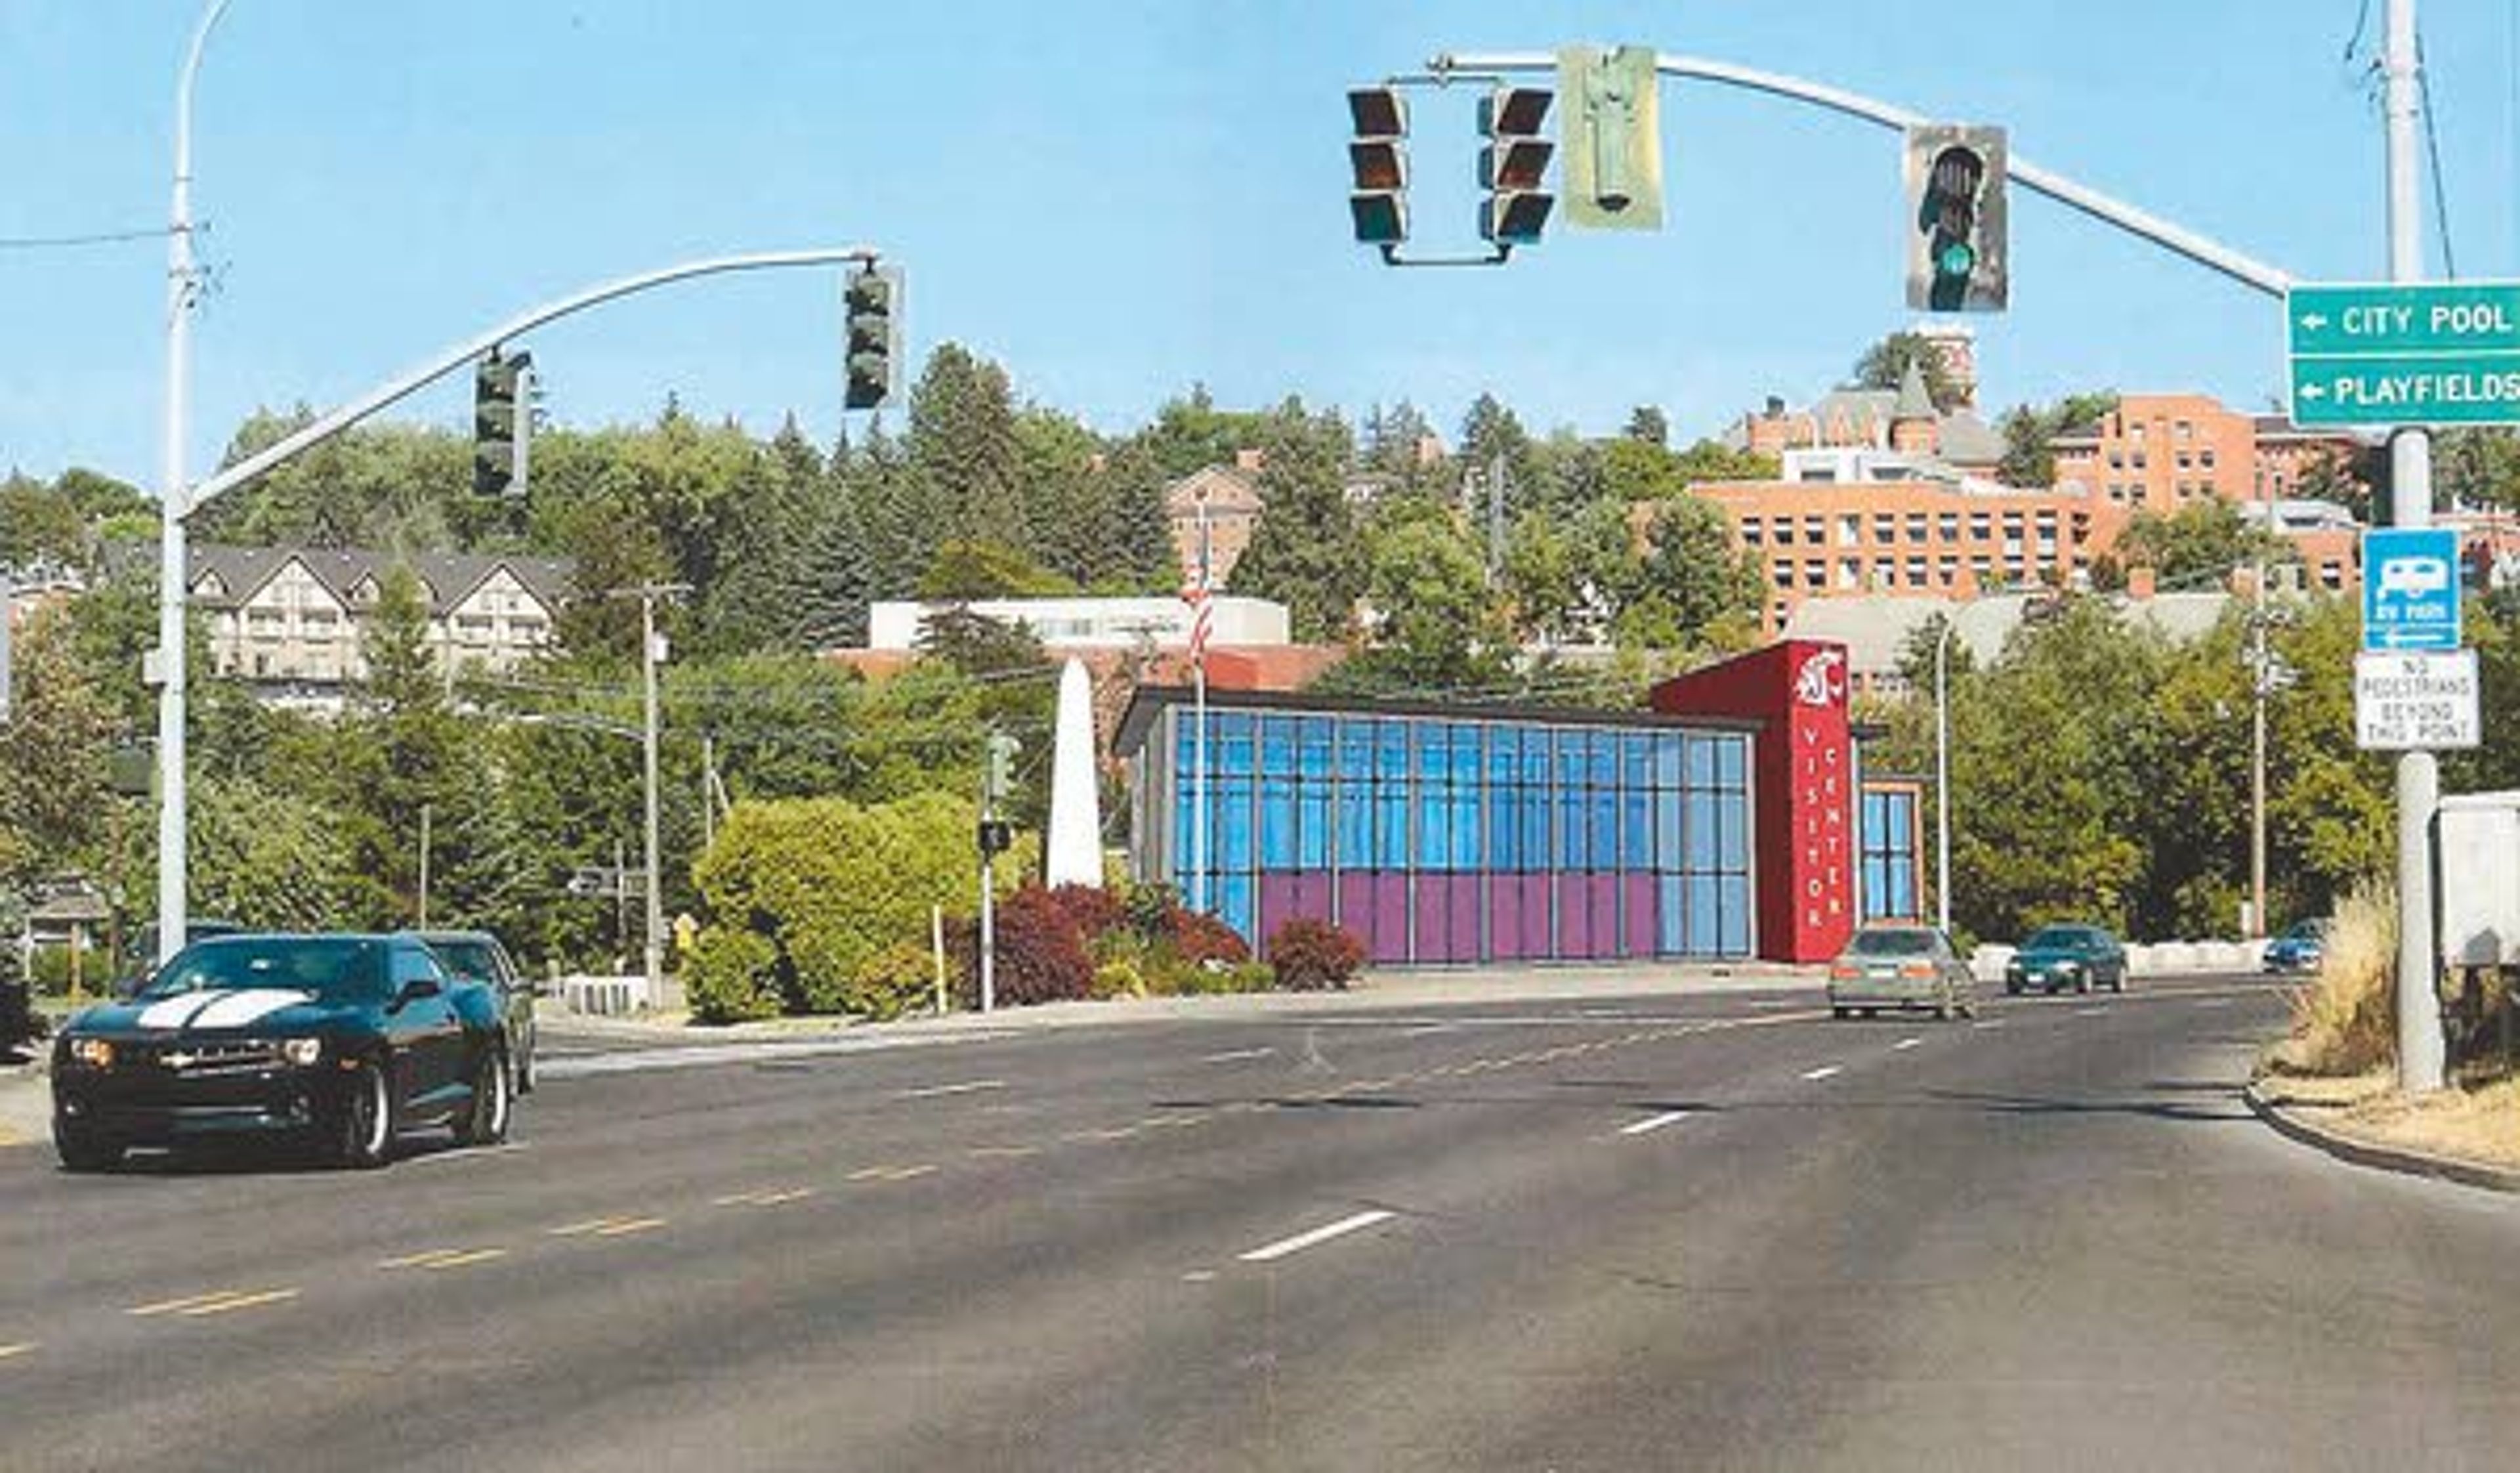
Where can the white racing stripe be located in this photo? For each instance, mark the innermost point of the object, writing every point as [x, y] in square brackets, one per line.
[174, 1012]
[1272, 1251]
[251, 1005]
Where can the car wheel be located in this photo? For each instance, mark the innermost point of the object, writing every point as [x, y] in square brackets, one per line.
[1841, 1012]
[363, 1135]
[83, 1150]
[2011, 989]
[485, 1123]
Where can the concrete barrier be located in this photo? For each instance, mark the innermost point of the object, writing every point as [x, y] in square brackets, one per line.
[604, 996]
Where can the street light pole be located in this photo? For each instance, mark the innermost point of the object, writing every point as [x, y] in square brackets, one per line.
[1942, 772]
[182, 283]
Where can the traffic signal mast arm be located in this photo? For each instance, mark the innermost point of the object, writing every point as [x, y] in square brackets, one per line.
[524, 322]
[2205, 252]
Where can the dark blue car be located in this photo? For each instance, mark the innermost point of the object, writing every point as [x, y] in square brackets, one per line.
[342, 1041]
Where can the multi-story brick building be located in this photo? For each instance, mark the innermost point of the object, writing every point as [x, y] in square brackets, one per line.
[1228, 499]
[2159, 452]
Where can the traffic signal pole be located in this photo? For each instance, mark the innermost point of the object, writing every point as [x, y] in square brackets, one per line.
[2202, 250]
[2422, 1053]
[180, 502]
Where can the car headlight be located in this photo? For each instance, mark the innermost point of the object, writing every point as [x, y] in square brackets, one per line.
[95, 1053]
[302, 1052]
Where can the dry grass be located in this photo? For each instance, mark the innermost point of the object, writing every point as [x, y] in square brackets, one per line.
[2345, 1020]
[2479, 1126]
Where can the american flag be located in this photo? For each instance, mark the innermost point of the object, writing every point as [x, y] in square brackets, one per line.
[1195, 594]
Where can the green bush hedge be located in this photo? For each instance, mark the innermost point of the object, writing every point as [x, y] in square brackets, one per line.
[841, 894]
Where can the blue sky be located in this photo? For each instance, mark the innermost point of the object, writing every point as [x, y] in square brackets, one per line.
[1117, 199]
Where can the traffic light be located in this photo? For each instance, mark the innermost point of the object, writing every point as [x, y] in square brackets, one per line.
[1378, 157]
[1514, 167]
[873, 296]
[999, 775]
[503, 423]
[1957, 261]
[1613, 133]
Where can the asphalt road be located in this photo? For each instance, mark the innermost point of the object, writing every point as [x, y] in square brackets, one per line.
[1721, 1232]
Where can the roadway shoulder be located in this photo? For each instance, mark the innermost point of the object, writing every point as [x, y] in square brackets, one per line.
[2304, 1124]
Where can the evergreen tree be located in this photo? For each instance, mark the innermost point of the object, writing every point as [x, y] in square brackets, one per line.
[758, 601]
[962, 442]
[1304, 553]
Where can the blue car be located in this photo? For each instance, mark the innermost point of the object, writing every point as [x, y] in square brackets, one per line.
[2299, 948]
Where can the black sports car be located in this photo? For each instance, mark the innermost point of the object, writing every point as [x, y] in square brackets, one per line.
[342, 1040]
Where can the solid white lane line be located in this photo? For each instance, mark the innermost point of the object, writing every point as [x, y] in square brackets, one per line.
[1823, 1072]
[1232, 1055]
[1654, 1123]
[933, 1091]
[1905, 1044]
[1272, 1251]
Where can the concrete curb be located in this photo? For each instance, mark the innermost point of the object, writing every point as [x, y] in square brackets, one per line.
[2293, 1125]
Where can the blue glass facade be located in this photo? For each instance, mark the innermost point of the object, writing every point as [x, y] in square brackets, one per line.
[1450, 840]
[1888, 826]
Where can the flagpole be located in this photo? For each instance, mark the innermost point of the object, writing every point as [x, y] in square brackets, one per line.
[1199, 704]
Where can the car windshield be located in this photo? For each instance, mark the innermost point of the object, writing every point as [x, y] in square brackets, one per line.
[2060, 938]
[1891, 944]
[2308, 931]
[466, 959]
[337, 969]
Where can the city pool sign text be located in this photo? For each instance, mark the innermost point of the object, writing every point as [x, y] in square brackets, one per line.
[2415, 701]
[2411, 588]
[2445, 354]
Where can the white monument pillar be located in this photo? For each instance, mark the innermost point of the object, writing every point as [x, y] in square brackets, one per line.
[1074, 853]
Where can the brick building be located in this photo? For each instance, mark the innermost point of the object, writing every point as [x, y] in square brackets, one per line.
[2160, 452]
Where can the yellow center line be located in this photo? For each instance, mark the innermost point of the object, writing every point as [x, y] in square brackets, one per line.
[766, 1197]
[240, 1302]
[1003, 1151]
[466, 1259]
[583, 1230]
[428, 1260]
[622, 1226]
[11, 1351]
[179, 1306]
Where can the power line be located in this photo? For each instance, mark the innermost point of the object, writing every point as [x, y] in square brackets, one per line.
[2432, 151]
[99, 238]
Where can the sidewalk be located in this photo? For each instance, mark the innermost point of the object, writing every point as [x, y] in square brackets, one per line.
[1452, 988]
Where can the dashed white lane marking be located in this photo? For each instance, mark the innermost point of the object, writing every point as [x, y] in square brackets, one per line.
[935, 1092]
[2089, 1012]
[1425, 1030]
[445, 1257]
[1233, 1055]
[1199, 1276]
[1823, 1072]
[471, 1153]
[1653, 1122]
[891, 1172]
[1272, 1251]
[1905, 1044]
[1985, 1023]
[2212, 1002]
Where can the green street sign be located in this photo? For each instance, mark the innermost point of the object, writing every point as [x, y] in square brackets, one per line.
[2405, 354]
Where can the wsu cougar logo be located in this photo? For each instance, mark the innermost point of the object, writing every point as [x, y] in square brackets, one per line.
[1822, 680]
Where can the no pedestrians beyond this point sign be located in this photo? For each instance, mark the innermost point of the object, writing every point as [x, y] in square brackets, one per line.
[2411, 588]
[2405, 354]
[2416, 703]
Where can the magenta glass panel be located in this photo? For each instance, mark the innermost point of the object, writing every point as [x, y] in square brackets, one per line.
[1276, 903]
[1534, 916]
[1574, 919]
[1391, 917]
[1601, 894]
[1355, 909]
[1641, 927]
[1434, 907]
[1505, 909]
[1462, 939]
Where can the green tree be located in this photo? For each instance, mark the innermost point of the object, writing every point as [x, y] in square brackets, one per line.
[1305, 552]
[759, 597]
[1885, 363]
[1689, 587]
[963, 440]
[1433, 625]
[2196, 542]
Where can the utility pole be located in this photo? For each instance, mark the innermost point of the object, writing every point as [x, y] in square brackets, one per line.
[2259, 682]
[2420, 1050]
[651, 652]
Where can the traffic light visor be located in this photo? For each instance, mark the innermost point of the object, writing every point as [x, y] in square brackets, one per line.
[1378, 112]
[1514, 112]
[1379, 164]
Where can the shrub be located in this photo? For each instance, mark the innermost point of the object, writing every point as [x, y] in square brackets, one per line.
[2345, 1021]
[1041, 957]
[1095, 913]
[1309, 955]
[899, 979]
[1200, 939]
[731, 976]
[1118, 977]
